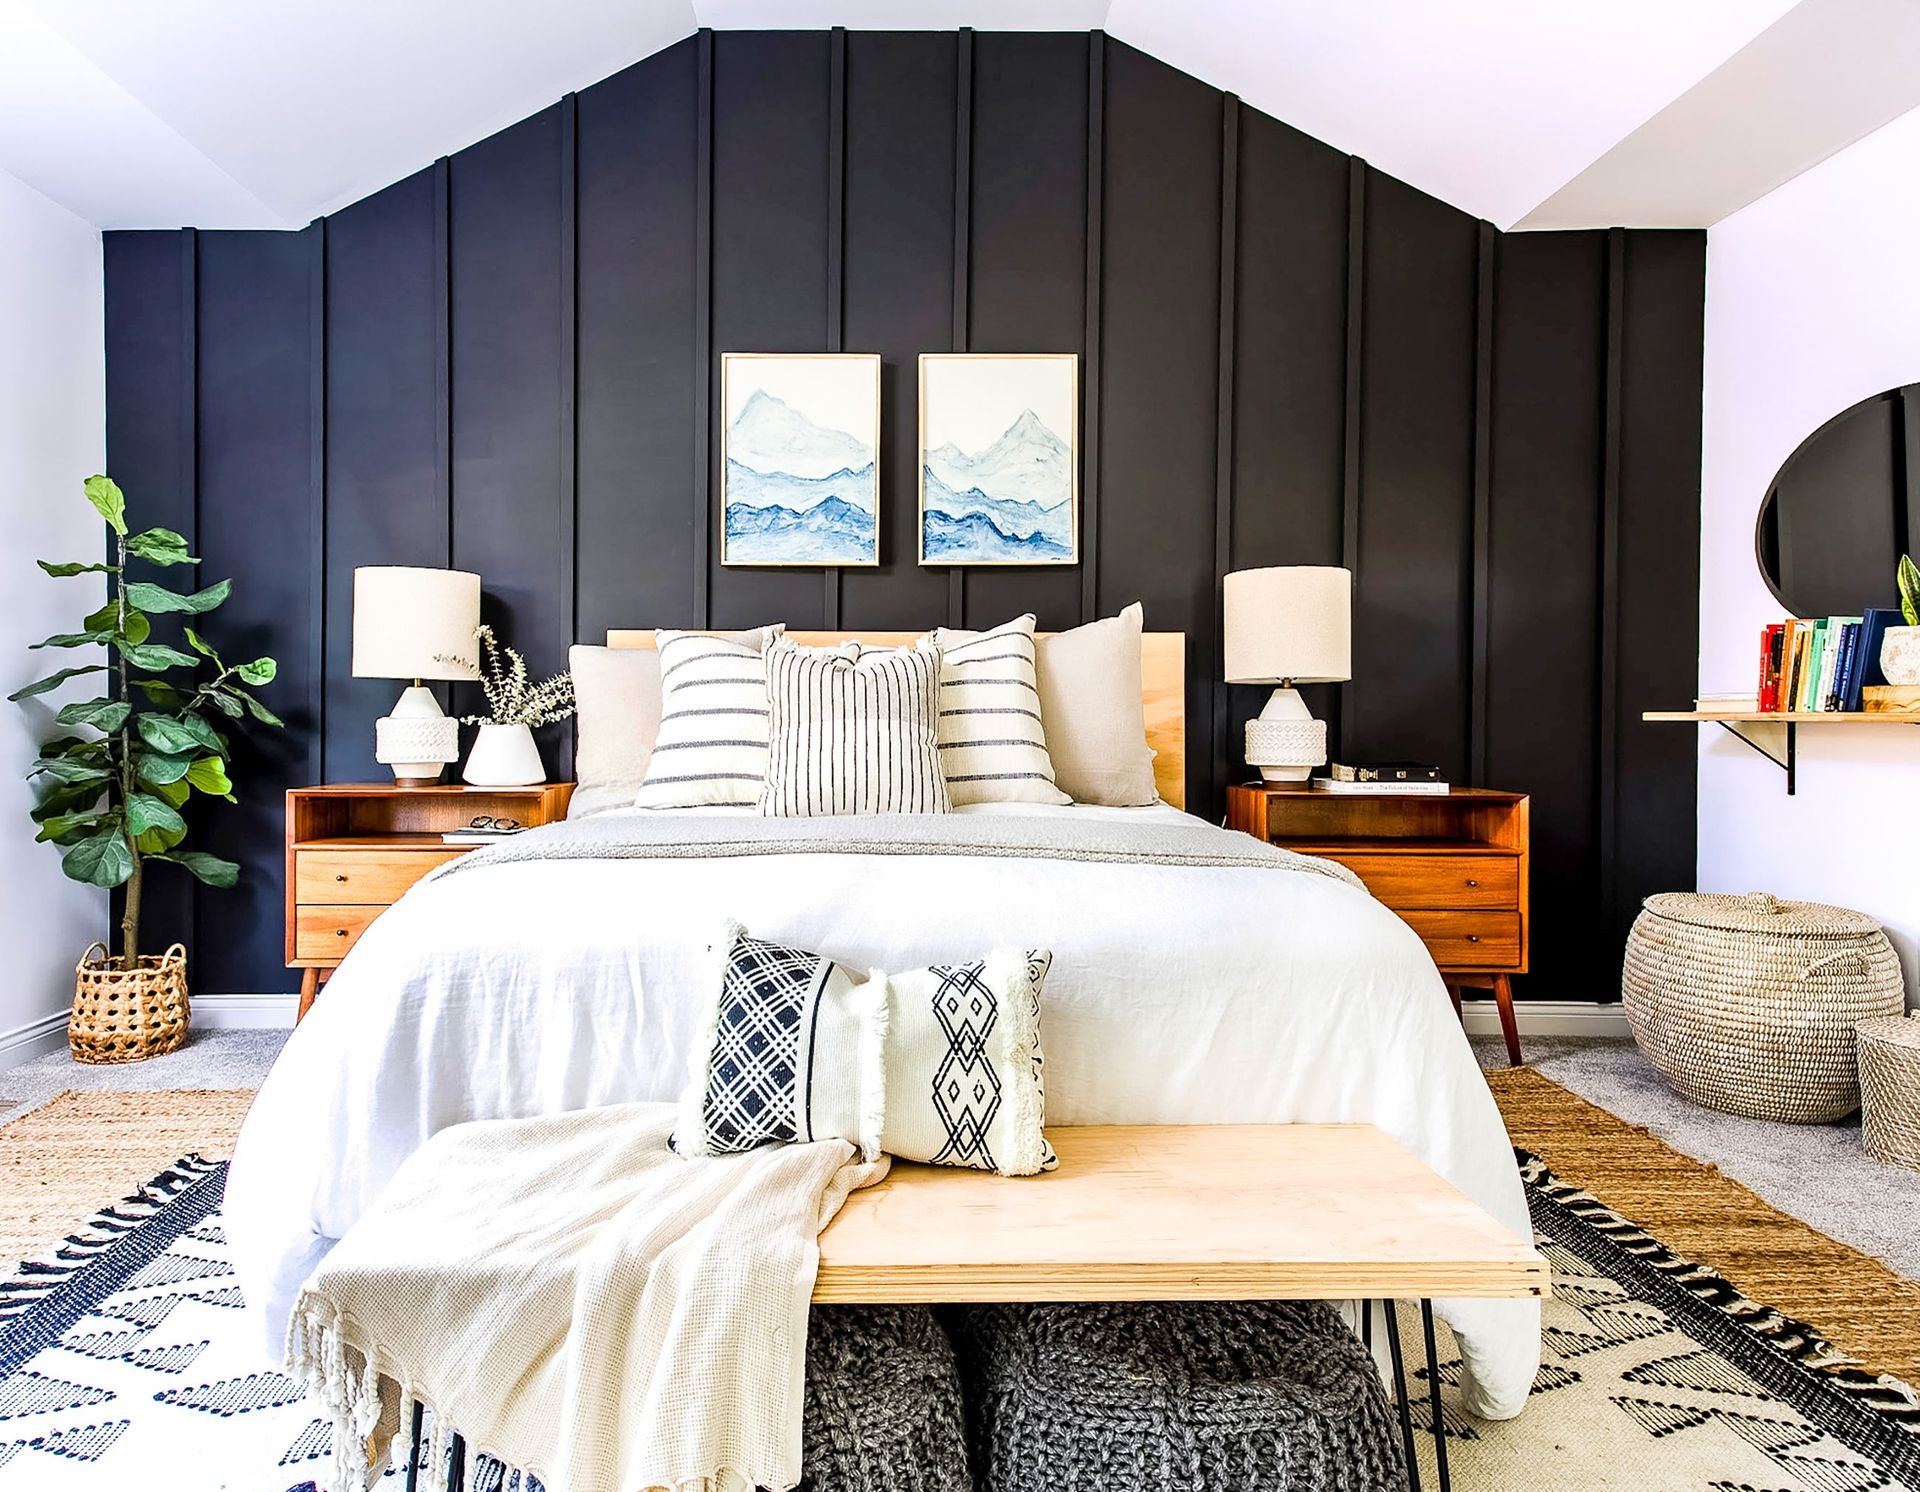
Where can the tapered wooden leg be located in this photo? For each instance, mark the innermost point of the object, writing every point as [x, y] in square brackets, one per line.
[1453, 994]
[1509, 1027]
[309, 987]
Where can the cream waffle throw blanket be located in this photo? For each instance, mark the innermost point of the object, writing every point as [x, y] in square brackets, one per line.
[578, 1301]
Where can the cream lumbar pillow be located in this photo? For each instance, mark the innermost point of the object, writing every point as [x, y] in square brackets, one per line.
[851, 730]
[993, 743]
[1095, 721]
[711, 751]
[617, 718]
[942, 1064]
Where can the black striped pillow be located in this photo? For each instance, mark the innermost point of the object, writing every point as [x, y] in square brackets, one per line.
[851, 731]
[993, 745]
[711, 750]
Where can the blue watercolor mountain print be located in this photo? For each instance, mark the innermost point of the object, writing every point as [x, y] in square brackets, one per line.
[1009, 504]
[797, 493]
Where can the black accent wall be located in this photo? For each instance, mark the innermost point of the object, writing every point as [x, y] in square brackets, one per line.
[508, 363]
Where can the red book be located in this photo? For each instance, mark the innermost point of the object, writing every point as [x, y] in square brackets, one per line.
[1771, 640]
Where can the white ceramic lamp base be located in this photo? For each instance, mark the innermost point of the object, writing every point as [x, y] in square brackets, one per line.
[1285, 742]
[417, 739]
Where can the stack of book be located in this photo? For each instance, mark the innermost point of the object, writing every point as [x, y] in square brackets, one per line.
[1381, 779]
[1818, 665]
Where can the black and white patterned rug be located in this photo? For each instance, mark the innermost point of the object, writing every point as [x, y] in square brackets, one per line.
[127, 1363]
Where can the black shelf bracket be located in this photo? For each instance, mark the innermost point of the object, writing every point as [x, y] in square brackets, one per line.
[1783, 752]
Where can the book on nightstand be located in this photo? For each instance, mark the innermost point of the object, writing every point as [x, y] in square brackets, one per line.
[1382, 772]
[1380, 789]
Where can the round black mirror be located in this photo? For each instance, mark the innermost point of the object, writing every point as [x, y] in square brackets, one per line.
[1843, 508]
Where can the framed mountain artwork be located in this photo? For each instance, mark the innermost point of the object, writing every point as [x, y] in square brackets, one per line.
[999, 458]
[799, 484]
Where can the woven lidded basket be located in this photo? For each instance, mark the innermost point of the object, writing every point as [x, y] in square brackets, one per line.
[1890, 1089]
[128, 1015]
[1747, 1004]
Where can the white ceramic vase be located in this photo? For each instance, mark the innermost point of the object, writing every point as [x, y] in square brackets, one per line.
[504, 756]
[1900, 655]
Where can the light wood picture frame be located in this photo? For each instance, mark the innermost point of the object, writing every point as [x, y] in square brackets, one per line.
[799, 459]
[999, 466]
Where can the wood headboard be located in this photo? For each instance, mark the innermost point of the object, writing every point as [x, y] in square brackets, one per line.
[1163, 690]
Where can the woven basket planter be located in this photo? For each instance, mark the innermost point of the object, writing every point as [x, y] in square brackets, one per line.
[1890, 1089]
[128, 1015]
[1747, 1004]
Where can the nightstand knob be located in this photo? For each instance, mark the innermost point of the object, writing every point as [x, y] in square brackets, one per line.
[342, 876]
[1470, 882]
[341, 932]
[1471, 937]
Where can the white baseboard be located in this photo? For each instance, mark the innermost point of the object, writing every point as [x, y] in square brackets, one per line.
[1548, 1018]
[244, 1012]
[34, 1039]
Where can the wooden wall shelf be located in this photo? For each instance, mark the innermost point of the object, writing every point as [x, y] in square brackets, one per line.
[1776, 735]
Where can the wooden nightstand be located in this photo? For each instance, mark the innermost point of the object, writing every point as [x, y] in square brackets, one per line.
[1454, 868]
[353, 848]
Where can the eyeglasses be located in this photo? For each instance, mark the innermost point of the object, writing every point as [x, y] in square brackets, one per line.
[487, 821]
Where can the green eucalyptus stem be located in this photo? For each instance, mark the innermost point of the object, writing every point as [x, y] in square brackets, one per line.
[123, 743]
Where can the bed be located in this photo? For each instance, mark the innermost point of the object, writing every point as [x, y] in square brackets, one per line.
[564, 971]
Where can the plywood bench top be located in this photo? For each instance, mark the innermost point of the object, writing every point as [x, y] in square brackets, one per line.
[1188, 1212]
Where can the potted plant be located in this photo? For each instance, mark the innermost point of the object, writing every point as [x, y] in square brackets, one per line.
[1900, 648]
[504, 753]
[114, 785]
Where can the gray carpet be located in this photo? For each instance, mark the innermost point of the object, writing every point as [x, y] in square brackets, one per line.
[210, 1059]
[1817, 1172]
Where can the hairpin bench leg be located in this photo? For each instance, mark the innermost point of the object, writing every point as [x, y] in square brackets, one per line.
[1433, 1397]
[1401, 1397]
[457, 1476]
[413, 1448]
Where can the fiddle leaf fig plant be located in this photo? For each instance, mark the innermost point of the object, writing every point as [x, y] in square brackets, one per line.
[113, 786]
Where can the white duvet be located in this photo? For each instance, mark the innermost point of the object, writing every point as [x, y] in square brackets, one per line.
[1178, 995]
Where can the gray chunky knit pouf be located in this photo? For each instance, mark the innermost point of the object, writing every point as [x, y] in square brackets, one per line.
[1208, 1397]
[883, 1403]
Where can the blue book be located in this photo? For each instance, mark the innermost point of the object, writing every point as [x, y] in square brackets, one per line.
[1873, 631]
[1844, 666]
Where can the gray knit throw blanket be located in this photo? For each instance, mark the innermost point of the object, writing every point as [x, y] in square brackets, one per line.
[697, 836]
[1174, 1397]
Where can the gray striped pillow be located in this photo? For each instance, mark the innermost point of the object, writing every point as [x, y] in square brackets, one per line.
[993, 745]
[711, 750]
[851, 731]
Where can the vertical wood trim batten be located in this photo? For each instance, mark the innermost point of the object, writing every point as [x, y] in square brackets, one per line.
[1090, 351]
[1342, 733]
[189, 426]
[1607, 775]
[836, 255]
[962, 263]
[1477, 755]
[1906, 531]
[317, 500]
[569, 514]
[443, 357]
[704, 373]
[1229, 297]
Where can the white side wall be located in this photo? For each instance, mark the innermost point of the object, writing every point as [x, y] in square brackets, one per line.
[1813, 302]
[52, 436]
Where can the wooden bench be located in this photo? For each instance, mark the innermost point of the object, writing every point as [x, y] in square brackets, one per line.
[1188, 1212]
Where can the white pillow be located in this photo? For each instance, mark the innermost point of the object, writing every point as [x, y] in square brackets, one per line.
[1095, 721]
[941, 1064]
[617, 716]
[851, 730]
[993, 743]
[711, 750]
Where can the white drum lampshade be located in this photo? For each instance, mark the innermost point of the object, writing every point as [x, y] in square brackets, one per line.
[1288, 625]
[407, 622]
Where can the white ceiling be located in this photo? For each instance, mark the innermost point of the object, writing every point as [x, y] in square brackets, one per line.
[235, 113]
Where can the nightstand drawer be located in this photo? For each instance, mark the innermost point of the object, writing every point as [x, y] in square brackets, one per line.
[326, 933]
[1468, 940]
[362, 877]
[1438, 880]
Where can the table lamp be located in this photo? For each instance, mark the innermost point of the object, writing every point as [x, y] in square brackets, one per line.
[1287, 625]
[407, 622]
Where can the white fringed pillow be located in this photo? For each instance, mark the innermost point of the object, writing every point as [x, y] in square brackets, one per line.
[993, 747]
[942, 1064]
[851, 730]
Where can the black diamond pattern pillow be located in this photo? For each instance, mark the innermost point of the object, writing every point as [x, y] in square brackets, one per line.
[941, 1064]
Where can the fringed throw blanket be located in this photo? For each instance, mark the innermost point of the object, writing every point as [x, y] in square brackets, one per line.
[579, 1302]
